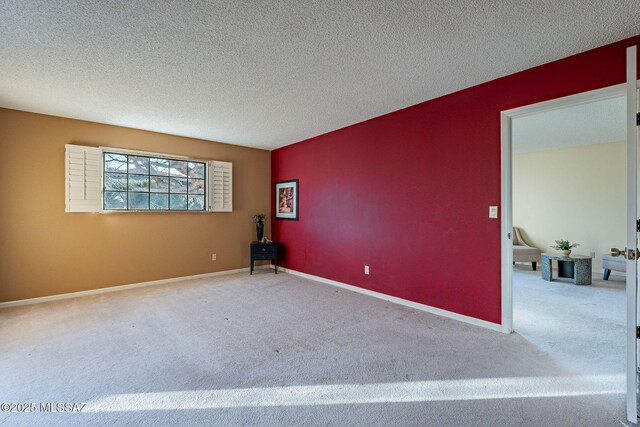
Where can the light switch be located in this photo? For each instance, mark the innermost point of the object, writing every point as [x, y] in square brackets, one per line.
[493, 212]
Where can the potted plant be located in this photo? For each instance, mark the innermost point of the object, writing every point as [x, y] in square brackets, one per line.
[259, 221]
[564, 246]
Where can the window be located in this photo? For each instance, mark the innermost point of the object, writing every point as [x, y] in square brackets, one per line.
[137, 182]
[102, 179]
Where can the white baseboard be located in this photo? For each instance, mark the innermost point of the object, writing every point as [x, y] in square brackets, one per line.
[429, 309]
[120, 288]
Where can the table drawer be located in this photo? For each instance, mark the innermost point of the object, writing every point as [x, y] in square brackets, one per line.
[263, 256]
[270, 249]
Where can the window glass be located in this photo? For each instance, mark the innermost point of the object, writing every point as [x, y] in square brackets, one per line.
[136, 182]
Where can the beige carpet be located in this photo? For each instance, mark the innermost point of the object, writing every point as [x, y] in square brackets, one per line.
[281, 350]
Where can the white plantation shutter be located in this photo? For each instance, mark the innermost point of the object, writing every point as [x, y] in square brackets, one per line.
[221, 186]
[82, 179]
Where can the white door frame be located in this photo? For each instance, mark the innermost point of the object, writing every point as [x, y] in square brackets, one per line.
[632, 234]
[506, 118]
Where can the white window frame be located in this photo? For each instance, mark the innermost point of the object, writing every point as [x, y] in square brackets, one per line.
[212, 166]
[104, 150]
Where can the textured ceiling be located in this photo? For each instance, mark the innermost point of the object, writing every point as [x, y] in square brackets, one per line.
[270, 73]
[594, 123]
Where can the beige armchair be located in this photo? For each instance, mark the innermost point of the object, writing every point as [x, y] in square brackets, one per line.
[522, 251]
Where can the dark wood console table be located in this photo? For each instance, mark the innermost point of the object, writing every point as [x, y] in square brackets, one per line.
[264, 252]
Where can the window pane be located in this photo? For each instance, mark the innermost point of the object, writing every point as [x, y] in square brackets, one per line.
[159, 167]
[196, 186]
[196, 203]
[196, 170]
[179, 201]
[115, 181]
[138, 165]
[115, 162]
[113, 200]
[138, 200]
[178, 185]
[178, 168]
[159, 201]
[138, 183]
[158, 184]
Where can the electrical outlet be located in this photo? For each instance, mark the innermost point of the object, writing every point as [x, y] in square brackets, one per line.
[214, 257]
[366, 269]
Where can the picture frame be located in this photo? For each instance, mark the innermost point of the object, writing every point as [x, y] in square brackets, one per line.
[287, 200]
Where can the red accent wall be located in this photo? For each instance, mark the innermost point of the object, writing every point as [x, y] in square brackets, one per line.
[408, 193]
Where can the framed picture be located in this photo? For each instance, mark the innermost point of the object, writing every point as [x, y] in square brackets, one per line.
[287, 200]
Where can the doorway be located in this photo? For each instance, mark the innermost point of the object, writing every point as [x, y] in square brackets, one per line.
[612, 338]
[568, 178]
[630, 90]
[507, 123]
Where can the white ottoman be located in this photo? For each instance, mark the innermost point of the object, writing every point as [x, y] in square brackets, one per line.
[615, 263]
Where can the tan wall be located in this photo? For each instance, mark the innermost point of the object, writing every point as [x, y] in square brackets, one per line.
[45, 251]
[576, 193]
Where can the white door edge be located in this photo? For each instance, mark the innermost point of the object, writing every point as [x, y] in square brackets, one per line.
[632, 215]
